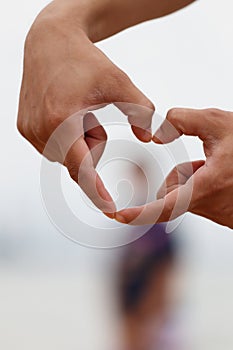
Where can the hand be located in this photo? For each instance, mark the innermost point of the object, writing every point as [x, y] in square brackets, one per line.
[204, 188]
[65, 73]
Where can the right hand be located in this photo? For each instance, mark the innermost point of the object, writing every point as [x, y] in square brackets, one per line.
[65, 73]
[202, 187]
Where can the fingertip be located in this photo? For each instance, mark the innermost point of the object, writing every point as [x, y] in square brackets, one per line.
[120, 218]
[108, 207]
[128, 216]
[110, 215]
[142, 134]
[155, 139]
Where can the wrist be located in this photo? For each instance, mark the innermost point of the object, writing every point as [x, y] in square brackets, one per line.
[86, 16]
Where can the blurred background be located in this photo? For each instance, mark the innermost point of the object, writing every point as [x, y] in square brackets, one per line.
[171, 292]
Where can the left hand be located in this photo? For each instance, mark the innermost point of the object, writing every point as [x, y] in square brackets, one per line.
[204, 188]
[65, 73]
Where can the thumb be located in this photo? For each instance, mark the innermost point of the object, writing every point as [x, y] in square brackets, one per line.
[168, 208]
[178, 177]
[175, 197]
[137, 107]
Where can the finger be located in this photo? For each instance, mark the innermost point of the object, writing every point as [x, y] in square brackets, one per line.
[175, 203]
[170, 207]
[138, 108]
[181, 121]
[80, 165]
[95, 137]
[178, 177]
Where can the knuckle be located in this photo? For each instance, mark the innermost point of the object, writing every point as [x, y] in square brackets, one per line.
[103, 135]
[214, 112]
[20, 128]
[119, 74]
[77, 172]
[40, 134]
[53, 120]
[54, 110]
[216, 120]
[172, 115]
[112, 85]
[120, 81]
[119, 77]
[150, 105]
[123, 81]
[38, 130]
[25, 130]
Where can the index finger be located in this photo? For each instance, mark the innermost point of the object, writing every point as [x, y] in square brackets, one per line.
[139, 117]
[79, 163]
[184, 121]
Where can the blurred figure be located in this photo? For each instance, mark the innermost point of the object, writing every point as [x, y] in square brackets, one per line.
[146, 273]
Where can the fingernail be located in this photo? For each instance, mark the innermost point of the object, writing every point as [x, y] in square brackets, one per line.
[120, 218]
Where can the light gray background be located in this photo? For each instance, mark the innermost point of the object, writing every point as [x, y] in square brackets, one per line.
[57, 295]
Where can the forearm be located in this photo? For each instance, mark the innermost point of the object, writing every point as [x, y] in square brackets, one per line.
[103, 18]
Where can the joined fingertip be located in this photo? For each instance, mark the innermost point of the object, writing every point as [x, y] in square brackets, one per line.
[147, 135]
[144, 135]
[120, 218]
[155, 139]
[110, 215]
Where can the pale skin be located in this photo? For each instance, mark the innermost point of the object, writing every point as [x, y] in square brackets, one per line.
[64, 73]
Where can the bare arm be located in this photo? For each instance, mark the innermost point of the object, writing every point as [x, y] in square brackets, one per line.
[104, 18]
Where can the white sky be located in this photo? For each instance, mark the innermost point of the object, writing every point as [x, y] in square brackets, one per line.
[181, 60]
